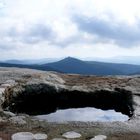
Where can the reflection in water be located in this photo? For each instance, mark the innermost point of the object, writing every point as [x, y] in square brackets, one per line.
[84, 115]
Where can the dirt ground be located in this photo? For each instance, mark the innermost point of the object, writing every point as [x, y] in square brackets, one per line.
[54, 130]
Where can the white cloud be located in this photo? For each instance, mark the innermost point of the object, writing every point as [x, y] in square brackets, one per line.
[62, 37]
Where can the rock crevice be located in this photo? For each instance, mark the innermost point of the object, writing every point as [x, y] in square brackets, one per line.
[36, 92]
[43, 98]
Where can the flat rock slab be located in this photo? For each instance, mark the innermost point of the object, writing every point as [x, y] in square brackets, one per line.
[23, 136]
[8, 113]
[58, 139]
[6, 85]
[71, 135]
[99, 137]
[40, 136]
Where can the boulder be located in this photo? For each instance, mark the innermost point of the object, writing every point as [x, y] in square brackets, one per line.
[40, 136]
[23, 136]
[99, 137]
[71, 135]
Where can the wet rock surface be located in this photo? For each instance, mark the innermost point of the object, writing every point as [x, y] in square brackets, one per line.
[43, 88]
[20, 87]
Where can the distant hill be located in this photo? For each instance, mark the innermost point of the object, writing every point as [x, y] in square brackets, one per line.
[124, 68]
[135, 73]
[76, 66]
[31, 61]
[73, 65]
[37, 67]
[15, 62]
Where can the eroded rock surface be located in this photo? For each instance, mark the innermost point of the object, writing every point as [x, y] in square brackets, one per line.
[17, 84]
[28, 91]
[20, 120]
[21, 86]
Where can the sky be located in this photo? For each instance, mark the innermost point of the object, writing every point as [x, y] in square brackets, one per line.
[35, 29]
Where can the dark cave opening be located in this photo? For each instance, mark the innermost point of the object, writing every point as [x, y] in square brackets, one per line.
[44, 99]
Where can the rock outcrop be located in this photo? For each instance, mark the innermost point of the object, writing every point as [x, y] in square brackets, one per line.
[36, 92]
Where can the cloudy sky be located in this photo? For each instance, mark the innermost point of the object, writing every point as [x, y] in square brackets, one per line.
[34, 29]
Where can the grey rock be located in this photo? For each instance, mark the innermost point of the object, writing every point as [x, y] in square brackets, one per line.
[99, 137]
[5, 85]
[40, 136]
[18, 120]
[1, 120]
[11, 82]
[23, 136]
[2, 99]
[71, 135]
[8, 83]
[9, 114]
[2, 90]
[34, 80]
[58, 139]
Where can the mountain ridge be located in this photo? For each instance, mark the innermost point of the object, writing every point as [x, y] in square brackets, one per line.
[77, 66]
[97, 68]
